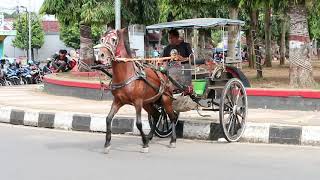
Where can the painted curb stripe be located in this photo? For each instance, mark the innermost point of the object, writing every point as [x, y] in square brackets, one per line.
[46, 120]
[72, 83]
[81, 122]
[285, 135]
[16, 117]
[310, 135]
[98, 123]
[63, 120]
[197, 130]
[121, 125]
[255, 132]
[5, 113]
[179, 129]
[31, 118]
[283, 93]
[85, 74]
[215, 132]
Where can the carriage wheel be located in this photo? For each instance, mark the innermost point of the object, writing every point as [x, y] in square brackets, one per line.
[233, 110]
[163, 126]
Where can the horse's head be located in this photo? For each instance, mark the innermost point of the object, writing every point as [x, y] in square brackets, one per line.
[108, 46]
[113, 44]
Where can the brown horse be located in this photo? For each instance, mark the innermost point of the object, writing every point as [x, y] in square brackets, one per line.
[135, 84]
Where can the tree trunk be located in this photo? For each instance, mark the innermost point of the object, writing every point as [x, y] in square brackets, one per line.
[300, 73]
[253, 31]
[86, 47]
[267, 29]
[283, 40]
[232, 33]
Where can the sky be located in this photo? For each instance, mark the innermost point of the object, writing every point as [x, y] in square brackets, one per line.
[35, 4]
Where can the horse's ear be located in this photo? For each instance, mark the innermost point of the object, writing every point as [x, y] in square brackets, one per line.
[125, 30]
[118, 32]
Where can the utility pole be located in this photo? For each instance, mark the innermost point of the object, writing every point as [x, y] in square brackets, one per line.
[118, 13]
[29, 27]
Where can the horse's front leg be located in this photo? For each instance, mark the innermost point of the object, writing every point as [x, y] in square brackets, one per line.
[145, 147]
[114, 109]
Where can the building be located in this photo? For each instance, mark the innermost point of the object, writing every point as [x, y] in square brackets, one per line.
[52, 42]
[6, 30]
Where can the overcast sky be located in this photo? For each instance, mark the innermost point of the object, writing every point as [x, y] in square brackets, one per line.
[35, 4]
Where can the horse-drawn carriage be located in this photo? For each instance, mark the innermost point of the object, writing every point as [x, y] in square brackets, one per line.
[220, 88]
[217, 87]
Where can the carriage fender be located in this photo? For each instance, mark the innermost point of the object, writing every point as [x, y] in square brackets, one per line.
[237, 73]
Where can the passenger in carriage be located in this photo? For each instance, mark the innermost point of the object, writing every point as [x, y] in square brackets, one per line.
[181, 51]
[183, 48]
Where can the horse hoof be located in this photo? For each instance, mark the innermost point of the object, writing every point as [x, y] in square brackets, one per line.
[107, 150]
[172, 145]
[145, 150]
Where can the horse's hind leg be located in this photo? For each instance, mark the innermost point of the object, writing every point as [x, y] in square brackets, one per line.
[114, 109]
[145, 147]
[167, 104]
[152, 111]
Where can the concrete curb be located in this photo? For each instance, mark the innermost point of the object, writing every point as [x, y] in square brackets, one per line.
[204, 130]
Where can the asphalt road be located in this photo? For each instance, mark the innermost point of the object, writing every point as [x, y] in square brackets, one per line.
[43, 154]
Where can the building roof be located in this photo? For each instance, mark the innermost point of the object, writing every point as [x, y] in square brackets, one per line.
[48, 26]
[51, 26]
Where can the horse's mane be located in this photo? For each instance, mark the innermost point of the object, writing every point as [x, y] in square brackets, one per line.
[126, 41]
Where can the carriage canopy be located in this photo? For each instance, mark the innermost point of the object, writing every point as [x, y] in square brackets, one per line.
[197, 23]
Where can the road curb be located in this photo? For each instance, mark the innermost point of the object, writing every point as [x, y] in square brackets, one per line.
[203, 130]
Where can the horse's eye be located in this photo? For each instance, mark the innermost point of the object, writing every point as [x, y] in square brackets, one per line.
[113, 40]
[101, 40]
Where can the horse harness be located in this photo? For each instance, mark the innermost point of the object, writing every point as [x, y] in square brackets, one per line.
[141, 75]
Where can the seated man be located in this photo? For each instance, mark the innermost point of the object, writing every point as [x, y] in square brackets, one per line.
[180, 51]
[183, 48]
[60, 61]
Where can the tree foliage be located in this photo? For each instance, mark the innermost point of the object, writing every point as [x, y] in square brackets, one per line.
[86, 12]
[21, 39]
[140, 12]
[70, 35]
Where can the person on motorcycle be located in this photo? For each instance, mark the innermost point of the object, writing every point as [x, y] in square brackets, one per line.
[60, 61]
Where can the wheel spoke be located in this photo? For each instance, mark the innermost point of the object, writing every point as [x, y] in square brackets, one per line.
[229, 99]
[228, 106]
[237, 98]
[227, 112]
[167, 123]
[238, 121]
[230, 122]
[239, 114]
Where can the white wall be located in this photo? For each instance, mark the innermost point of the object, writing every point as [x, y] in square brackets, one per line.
[52, 44]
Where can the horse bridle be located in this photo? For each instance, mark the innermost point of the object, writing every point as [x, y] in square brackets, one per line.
[110, 42]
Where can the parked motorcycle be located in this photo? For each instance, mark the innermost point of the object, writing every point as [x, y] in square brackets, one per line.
[24, 74]
[36, 73]
[11, 76]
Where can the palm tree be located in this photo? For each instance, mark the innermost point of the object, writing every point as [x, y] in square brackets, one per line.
[300, 73]
[233, 6]
[251, 9]
[84, 12]
[267, 30]
[281, 9]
